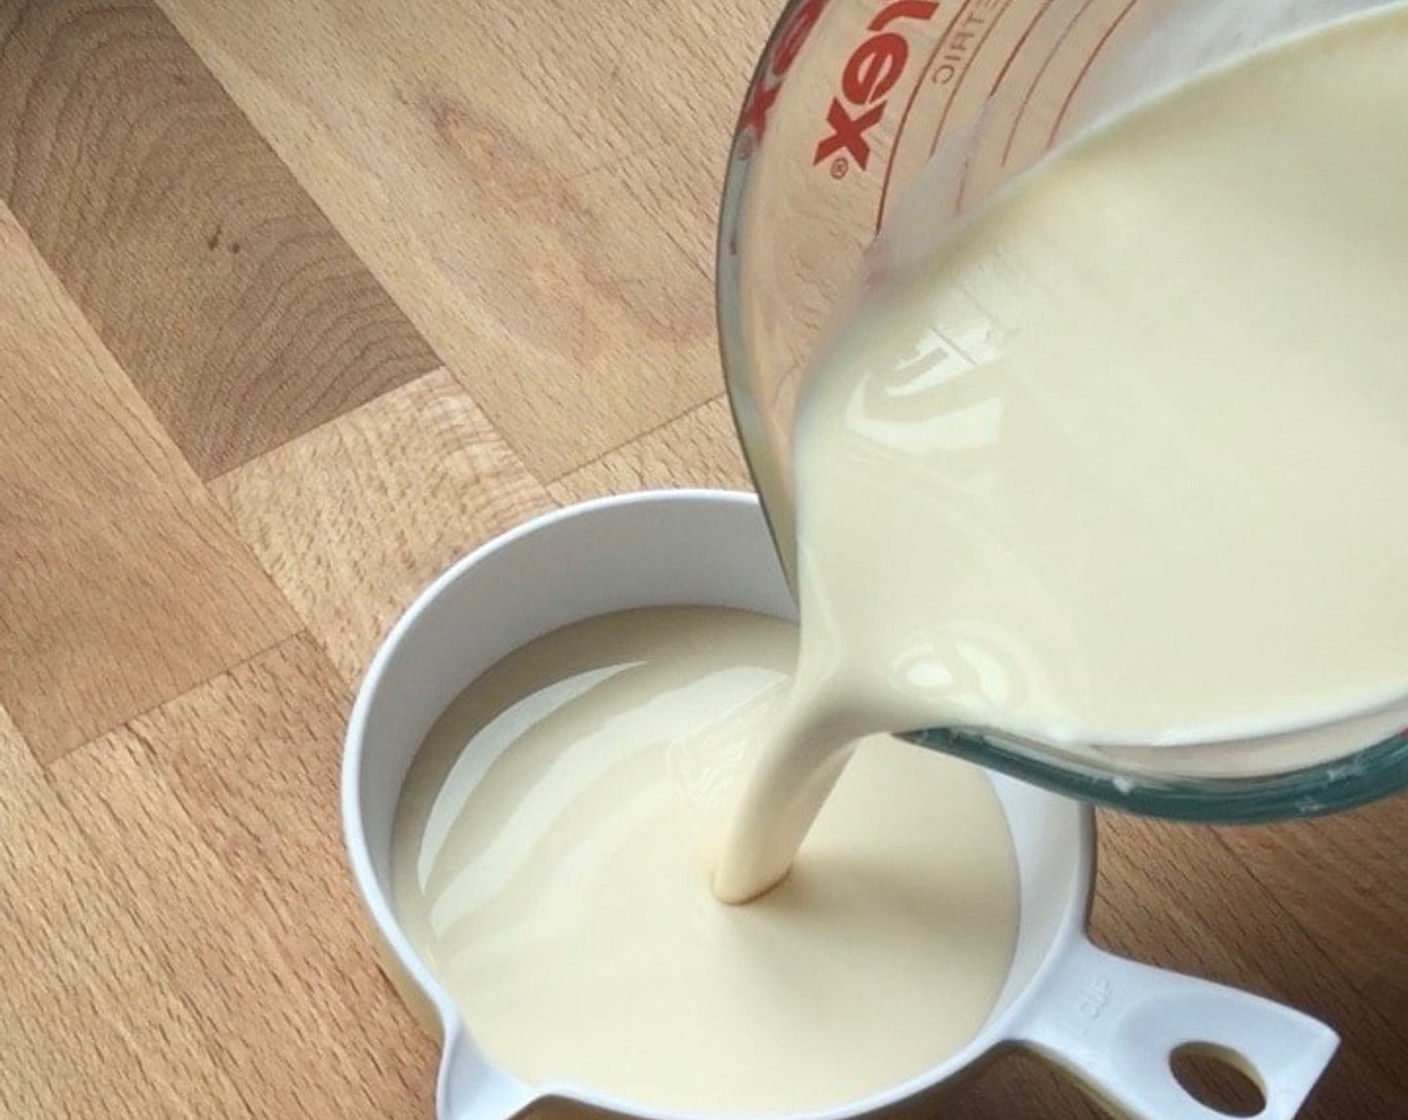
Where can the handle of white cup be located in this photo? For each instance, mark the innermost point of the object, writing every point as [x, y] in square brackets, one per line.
[1115, 1025]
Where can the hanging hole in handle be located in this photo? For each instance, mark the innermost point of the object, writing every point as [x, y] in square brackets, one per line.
[1219, 1078]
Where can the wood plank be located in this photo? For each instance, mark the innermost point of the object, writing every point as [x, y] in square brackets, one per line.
[92, 1022]
[121, 585]
[353, 519]
[219, 812]
[698, 449]
[536, 186]
[235, 307]
[1344, 879]
[1178, 897]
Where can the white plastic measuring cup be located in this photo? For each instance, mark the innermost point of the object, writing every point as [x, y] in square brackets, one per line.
[1112, 1023]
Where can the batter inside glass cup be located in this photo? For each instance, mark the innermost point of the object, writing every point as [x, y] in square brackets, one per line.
[1133, 333]
[1113, 1023]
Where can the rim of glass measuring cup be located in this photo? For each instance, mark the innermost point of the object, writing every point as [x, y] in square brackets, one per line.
[733, 347]
[1342, 783]
[1331, 787]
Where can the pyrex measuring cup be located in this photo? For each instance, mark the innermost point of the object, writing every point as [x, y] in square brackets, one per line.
[858, 107]
[1111, 1023]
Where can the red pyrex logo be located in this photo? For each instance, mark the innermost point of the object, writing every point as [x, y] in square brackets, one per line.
[870, 74]
[784, 51]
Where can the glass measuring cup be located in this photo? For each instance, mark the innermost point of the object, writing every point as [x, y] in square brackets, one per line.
[852, 102]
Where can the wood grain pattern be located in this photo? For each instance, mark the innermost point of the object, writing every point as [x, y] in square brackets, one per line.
[353, 519]
[698, 449]
[544, 214]
[121, 584]
[219, 814]
[231, 302]
[92, 1022]
[1342, 880]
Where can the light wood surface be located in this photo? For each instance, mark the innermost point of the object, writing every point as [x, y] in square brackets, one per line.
[299, 302]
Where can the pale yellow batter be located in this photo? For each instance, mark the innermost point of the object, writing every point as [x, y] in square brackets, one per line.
[553, 848]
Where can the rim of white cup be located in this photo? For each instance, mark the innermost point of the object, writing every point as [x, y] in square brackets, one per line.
[1000, 1028]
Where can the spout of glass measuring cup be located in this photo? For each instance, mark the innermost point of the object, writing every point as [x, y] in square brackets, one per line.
[1329, 787]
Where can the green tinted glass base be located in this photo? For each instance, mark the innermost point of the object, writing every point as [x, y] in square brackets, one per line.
[1373, 773]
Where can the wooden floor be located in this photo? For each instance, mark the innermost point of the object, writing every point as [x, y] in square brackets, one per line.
[299, 302]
